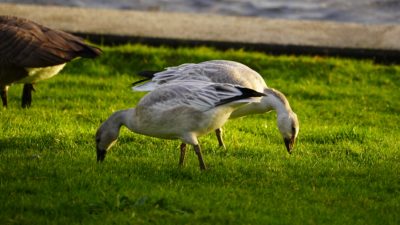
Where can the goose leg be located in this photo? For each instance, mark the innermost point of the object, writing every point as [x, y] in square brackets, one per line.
[218, 132]
[3, 93]
[198, 153]
[27, 95]
[183, 151]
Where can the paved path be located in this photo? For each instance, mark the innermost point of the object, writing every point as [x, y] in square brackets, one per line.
[381, 42]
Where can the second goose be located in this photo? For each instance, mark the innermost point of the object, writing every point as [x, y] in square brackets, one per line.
[184, 111]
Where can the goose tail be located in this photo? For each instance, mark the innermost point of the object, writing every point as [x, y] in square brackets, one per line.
[149, 86]
[89, 51]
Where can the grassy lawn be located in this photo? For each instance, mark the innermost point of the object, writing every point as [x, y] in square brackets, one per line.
[345, 168]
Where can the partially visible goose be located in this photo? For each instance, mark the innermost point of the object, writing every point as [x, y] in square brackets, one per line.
[30, 52]
[184, 110]
[223, 71]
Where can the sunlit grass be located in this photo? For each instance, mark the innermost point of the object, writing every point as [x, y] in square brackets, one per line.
[344, 170]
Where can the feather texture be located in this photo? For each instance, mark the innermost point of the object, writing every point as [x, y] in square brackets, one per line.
[182, 110]
[235, 73]
[217, 71]
[25, 43]
[30, 52]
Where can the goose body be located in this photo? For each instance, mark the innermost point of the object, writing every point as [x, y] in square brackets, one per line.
[182, 111]
[30, 52]
[224, 71]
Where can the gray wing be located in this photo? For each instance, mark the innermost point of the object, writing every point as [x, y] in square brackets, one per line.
[188, 71]
[216, 71]
[200, 96]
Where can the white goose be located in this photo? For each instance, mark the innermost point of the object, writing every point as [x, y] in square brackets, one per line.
[223, 71]
[183, 110]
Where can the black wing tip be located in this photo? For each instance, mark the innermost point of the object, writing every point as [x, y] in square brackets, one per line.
[148, 73]
[248, 92]
[91, 52]
[140, 81]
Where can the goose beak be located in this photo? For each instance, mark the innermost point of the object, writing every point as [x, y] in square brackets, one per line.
[289, 143]
[101, 154]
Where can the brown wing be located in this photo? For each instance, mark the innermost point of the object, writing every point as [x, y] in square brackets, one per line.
[28, 44]
[10, 74]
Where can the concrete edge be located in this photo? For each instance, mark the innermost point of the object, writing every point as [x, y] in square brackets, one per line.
[378, 42]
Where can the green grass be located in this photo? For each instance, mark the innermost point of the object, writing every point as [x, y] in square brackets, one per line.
[345, 168]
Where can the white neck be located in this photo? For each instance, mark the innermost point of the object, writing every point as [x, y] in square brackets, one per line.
[122, 117]
[273, 101]
[127, 118]
[108, 132]
[276, 101]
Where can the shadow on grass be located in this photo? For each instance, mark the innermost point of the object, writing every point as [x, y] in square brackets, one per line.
[45, 142]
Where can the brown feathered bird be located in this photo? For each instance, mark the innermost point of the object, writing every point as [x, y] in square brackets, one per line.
[30, 52]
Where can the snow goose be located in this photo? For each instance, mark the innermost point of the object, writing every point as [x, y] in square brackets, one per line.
[223, 71]
[30, 52]
[183, 110]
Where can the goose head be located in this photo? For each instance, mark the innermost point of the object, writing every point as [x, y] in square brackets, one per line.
[289, 127]
[107, 135]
